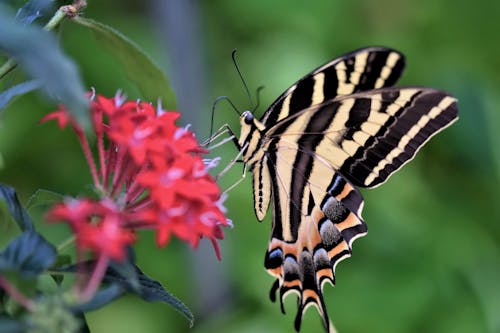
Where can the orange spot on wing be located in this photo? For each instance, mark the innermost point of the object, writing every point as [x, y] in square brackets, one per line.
[342, 246]
[292, 284]
[349, 222]
[310, 293]
[276, 272]
[345, 191]
[317, 215]
[324, 272]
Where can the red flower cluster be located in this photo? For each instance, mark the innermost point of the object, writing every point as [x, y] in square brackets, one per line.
[151, 176]
[97, 225]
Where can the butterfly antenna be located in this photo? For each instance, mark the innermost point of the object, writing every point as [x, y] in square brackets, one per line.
[257, 94]
[233, 55]
[217, 100]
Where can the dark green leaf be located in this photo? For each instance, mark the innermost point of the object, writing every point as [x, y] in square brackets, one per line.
[61, 260]
[32, 10]
[84, 328]
[139, 67]
[150, 290]
[29, 254]
[19, 89]
[128, 272]
[101, 298]
[8, 325]
[43, 198]
[38, 53]
[8, 194]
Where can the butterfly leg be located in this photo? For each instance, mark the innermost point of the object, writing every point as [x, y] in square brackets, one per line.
[231, 164]
[223, 130]
[243, 175]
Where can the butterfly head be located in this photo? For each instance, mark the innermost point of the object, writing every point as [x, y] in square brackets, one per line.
[247, 127]
[250, 135]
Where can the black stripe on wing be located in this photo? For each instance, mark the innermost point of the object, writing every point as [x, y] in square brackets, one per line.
[413, 120]
[326, 232]
[360, 70]
[370, 135]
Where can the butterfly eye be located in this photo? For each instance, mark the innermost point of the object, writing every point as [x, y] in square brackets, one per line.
[247, 117]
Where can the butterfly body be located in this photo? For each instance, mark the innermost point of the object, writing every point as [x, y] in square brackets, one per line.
[339, 126]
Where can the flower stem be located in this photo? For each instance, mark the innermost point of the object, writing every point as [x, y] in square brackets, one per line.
[96, 278]
[16, 294]
[88, 156]
[56, 19]
[7, 67]
[61, 13]
[66, 243]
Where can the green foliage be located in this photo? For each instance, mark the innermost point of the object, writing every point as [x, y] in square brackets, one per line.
[29, 254]
[38, 53]
[9, 196]
[138, 66]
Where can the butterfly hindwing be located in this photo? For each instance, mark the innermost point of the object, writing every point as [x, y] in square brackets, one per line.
[303, 260]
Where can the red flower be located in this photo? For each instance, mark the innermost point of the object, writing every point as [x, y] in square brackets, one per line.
[150, 175]
[97, 226]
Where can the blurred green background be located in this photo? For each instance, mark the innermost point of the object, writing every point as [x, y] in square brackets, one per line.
[431, 259]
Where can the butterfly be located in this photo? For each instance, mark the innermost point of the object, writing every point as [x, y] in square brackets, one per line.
[342, 125]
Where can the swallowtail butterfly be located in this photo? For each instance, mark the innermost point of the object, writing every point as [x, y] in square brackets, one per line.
[342, 125]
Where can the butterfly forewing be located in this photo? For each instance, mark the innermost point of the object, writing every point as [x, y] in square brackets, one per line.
[339, 126]
[360, 70]
[369, 135]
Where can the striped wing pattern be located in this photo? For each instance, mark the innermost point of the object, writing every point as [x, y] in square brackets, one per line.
[360, 70]
[322, 238]
[339, 127]
[368, 136]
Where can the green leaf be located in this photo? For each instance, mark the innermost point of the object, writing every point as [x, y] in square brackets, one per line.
[32, 10]
[84, 328]
[138, 66]
[29, 254]
[19, 89]
[101, 298]
[152, 290]
[128, 271]
[8, 194]
[43, 198]
[61, 260]
[38, 53]
[149, 290]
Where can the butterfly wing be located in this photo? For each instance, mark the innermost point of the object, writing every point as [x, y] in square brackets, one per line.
[369, 135]
[360, 70]
[313, 230]
[313, 157]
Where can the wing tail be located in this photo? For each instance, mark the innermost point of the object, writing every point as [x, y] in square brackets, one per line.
[324, 239]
